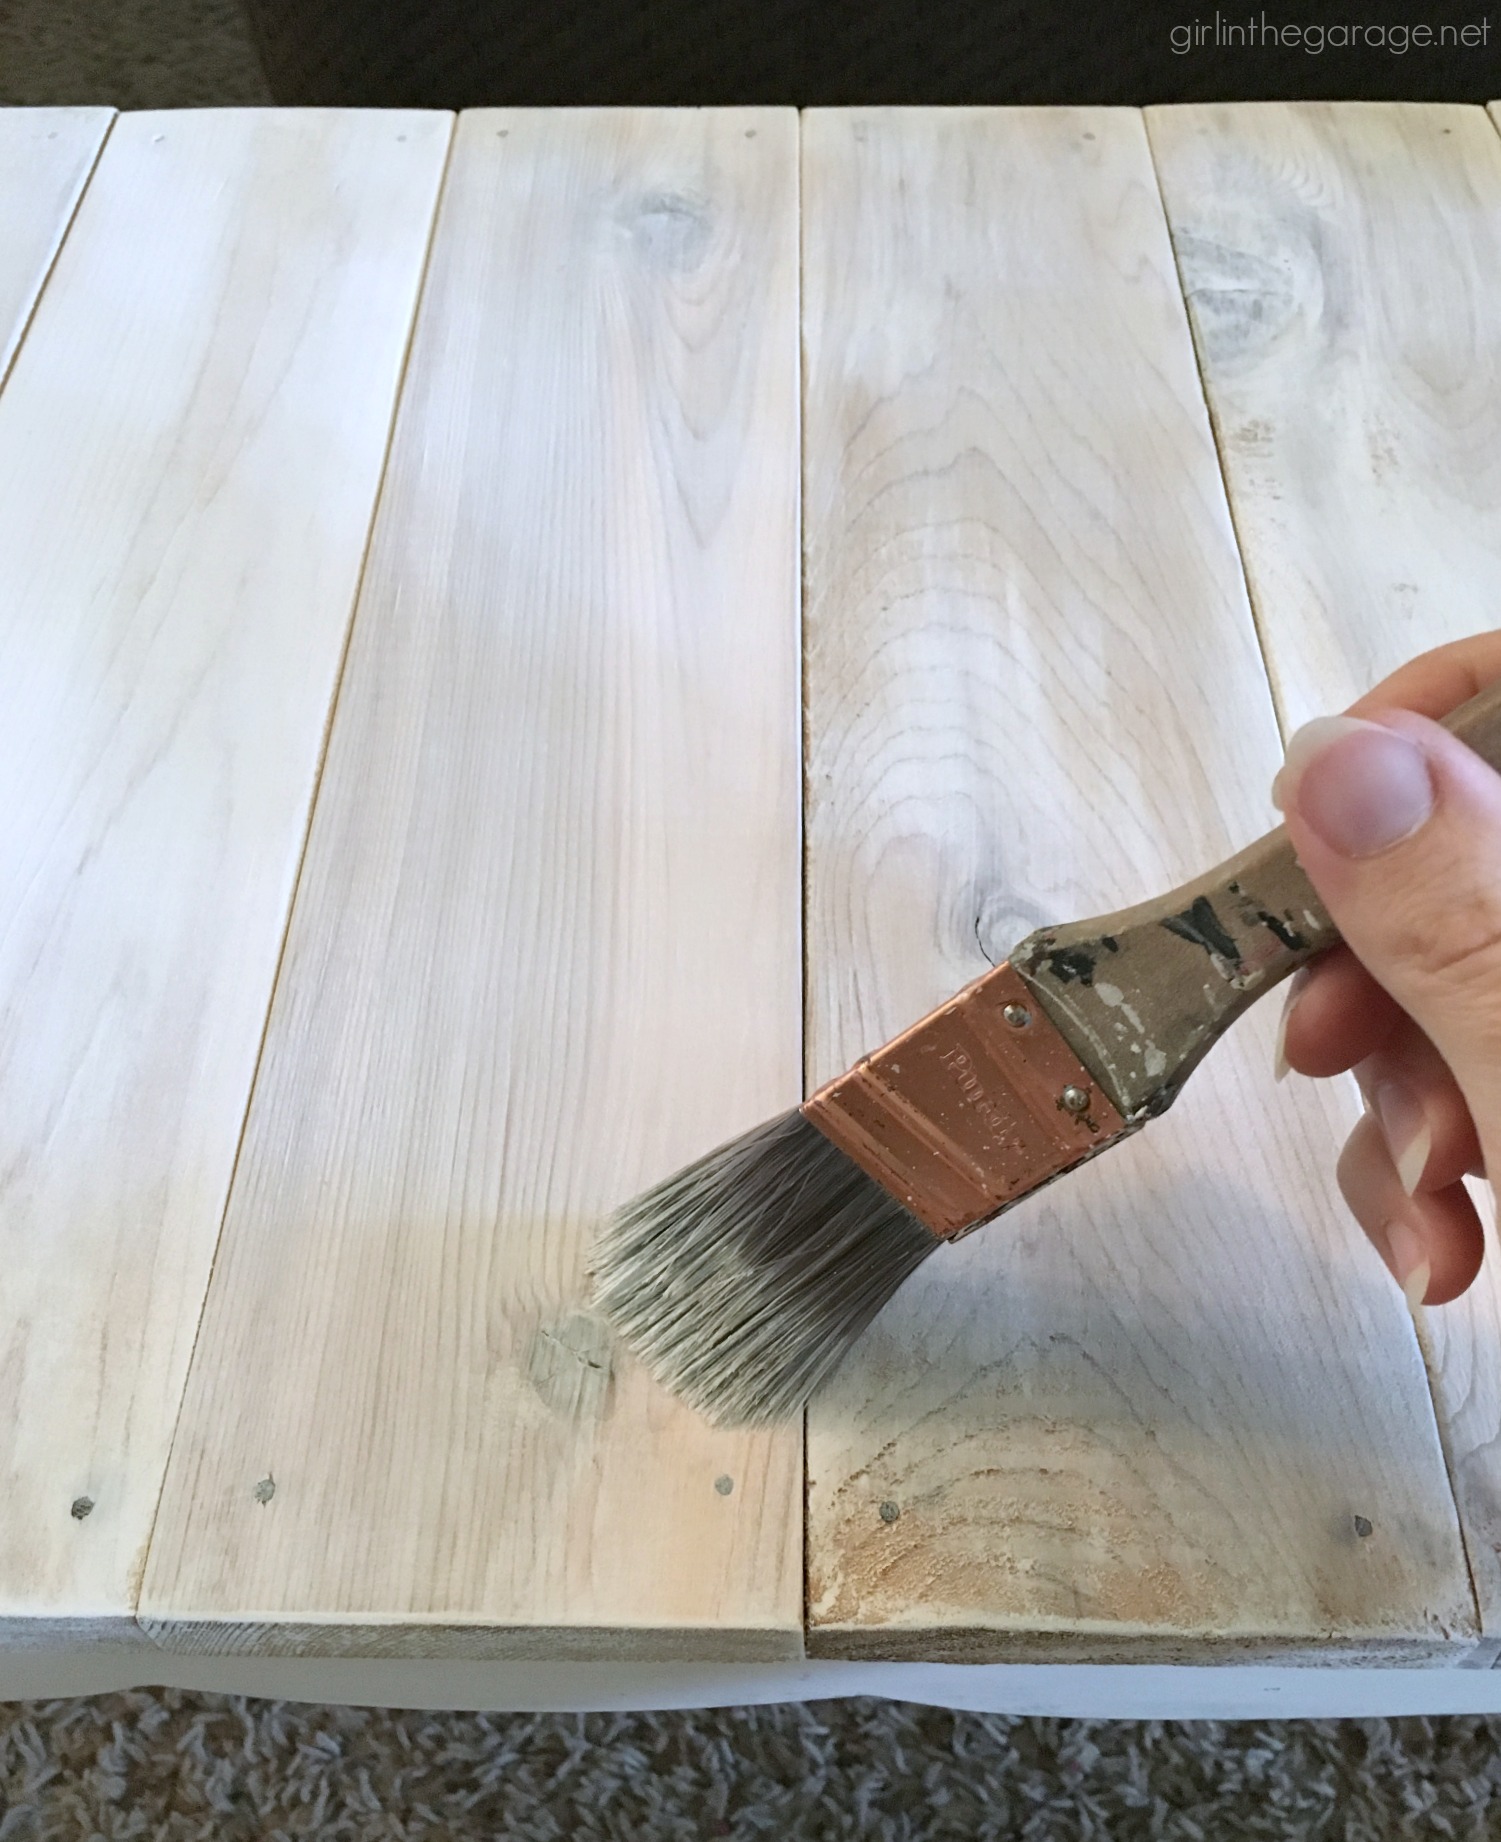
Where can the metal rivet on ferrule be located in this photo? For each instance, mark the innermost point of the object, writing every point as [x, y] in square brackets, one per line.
[82, 1506]
[1017, 1015]
[724, 1485]
[1074, 1100]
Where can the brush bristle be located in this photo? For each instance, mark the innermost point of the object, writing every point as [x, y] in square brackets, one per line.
[743, 1280]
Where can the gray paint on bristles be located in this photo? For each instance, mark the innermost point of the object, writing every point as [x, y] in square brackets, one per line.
[743, 1281]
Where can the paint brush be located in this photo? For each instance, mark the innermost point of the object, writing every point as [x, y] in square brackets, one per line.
[744, 1280]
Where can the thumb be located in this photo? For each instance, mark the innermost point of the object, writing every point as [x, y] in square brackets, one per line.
[1398, 827]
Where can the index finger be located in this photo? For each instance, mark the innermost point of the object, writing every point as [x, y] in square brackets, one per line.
[1437, 682]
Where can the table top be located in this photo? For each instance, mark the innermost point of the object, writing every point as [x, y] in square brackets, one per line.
[527, 640]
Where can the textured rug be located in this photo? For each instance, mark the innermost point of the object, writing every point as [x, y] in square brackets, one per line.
[136, 54]
[214, 1768]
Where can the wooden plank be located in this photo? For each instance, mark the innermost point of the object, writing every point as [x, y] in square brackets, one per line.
[546, 946]
[1139, 1418]
[190, 447]
[46, 156]
[1341, 266]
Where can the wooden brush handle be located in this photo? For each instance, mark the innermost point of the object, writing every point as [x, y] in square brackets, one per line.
[1143, 994]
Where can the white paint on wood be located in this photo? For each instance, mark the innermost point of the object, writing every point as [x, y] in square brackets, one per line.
[546, 946]
[1068, 1691]
[1341, 263]
[1141, 1415]
[190, 447]
[46, 156]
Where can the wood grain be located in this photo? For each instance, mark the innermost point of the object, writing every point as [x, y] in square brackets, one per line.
[1172, 1407]
[46, 156]
[546, 947]
[1353, 382]
[1341, 267]
[190, 446]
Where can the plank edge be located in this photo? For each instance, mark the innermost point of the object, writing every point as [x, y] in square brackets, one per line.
[105, 118]
[36, 1635]
[434, 1641]
[1296, 1649]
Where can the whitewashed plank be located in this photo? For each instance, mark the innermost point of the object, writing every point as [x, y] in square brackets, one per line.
[1140, 1416]
[546, 947]
[1343, 268]
[46, 156]
[191, 442]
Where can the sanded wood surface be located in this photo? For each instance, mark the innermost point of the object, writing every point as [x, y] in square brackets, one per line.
[190, 445]
[1173, 1406]
[46, 156]
[546, 946]
[1343, 268]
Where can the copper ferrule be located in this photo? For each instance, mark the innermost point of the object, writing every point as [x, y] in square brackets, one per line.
[969, 1110]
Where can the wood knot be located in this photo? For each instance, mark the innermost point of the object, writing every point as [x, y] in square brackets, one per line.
[671, 230]
[571, 1364]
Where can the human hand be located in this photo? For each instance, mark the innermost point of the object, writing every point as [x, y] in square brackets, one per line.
[1398, 827]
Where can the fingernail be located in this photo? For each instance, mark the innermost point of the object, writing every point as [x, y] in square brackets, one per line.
[1299, 979]
[1404, 1126]
[1409, 1262]
[1360, 786]
[1302, 745]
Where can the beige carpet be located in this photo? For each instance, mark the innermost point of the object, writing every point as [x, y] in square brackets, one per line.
[211, 1768]
[207, 1768]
